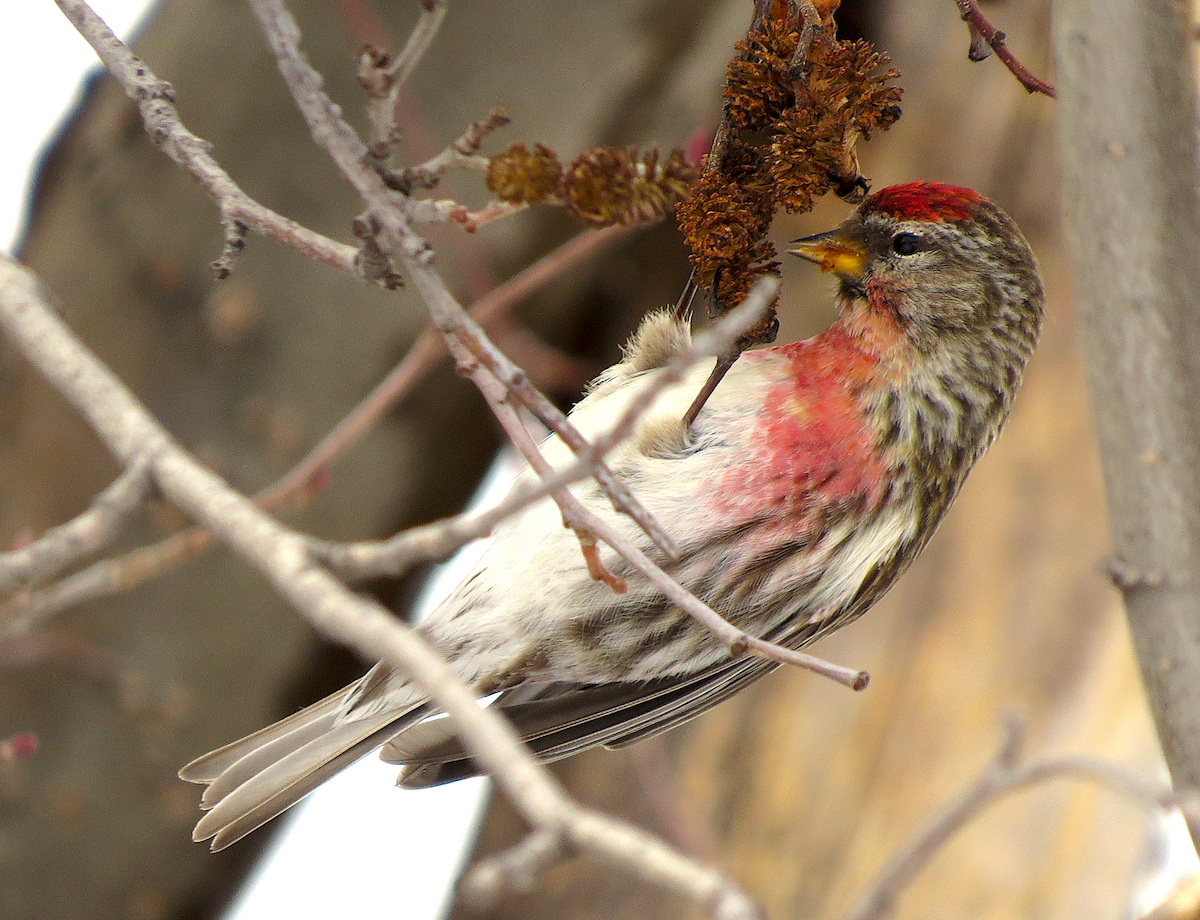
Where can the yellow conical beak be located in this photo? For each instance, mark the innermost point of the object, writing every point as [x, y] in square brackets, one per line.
[833, 252]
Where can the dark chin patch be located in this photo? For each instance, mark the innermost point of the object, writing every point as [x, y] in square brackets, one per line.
[852, 288]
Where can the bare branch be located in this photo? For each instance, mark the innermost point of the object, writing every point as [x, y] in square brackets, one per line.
[388, 209]
[736, 640]
[438, 540]
[516, 383]
[432, 14]
[461, 153]
[234, 245]
[449, 211]
[1001, 777]
[282, 556]
[155, 101]
[574, 515]
[390, 213]
[383, 77]
[489, 213]
[86, 534]
[362, 559]
[308, 477]
[1128, 128]
[986, 38]
[516, 870]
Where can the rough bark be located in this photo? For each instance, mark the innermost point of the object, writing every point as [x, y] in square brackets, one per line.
[250, 372]
[1129, 158]
[803, 789]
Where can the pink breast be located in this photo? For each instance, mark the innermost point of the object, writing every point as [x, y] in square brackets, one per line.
[810, 447]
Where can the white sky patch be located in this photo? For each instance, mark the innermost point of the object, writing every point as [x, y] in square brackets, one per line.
[356, 842]
[359, 848]
[41, 70]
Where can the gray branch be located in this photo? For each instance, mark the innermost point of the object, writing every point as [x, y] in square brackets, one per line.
[155, 100]
[1129, 154]
[394, 556]
[283, 556]
[89, 533]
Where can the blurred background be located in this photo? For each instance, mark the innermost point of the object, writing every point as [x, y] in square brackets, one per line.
[798, 787]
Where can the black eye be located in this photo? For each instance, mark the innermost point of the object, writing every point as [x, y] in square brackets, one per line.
[906, 244]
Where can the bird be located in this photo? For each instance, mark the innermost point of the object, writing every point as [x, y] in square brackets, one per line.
[809, 481]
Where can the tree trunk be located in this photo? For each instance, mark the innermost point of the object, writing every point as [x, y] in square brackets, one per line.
[802, 789]
[251, 371]
[1129, 128]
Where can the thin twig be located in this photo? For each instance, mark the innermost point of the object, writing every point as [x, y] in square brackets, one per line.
[383, 77]
[449, 211]
[437, 540]
[461, 153]
[155, 101]
[310, 475]
[132, 434]
[574, 515]
[390, 211]
[488, 214]
[432, 14]
[720, 369]
[89, 533]
[985, 36]
[1002, 776]
[735, 639]
[517, 383]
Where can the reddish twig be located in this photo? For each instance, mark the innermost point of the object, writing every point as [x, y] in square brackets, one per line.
[86, 534]
[284, 558]
[720, 369]
[986, 38]
[489, 213]
[309, 476]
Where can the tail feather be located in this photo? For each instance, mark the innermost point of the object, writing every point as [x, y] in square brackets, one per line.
[258, 760]
[210, 766]
[282, 785]
[254, 779]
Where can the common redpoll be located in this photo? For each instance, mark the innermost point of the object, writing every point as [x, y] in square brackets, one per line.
[811, 479]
